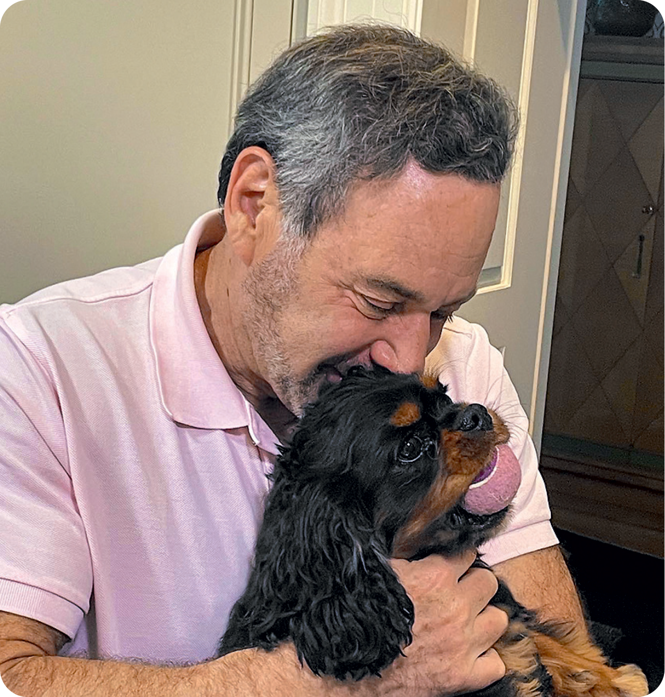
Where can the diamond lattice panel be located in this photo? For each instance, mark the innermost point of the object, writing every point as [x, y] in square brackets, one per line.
[653, 333]
[655, 294]
[649, 398]
[596, 421]
[560, 316]
[572, 380]
[573, 200]
[606, 370]
[633, 273]
[620, 387]
[596, 139]
[630, 102]
[615, 204]
[606, 324]
[583, 260]
[652, 437]
[646, 147]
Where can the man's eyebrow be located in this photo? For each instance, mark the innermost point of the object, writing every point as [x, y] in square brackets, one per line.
[387, 285]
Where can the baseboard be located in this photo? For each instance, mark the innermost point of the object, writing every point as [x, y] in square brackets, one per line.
[608, 502]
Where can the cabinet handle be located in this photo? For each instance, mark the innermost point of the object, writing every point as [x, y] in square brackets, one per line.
[640, 254]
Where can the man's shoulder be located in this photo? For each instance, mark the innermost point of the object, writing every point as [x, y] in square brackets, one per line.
[113, 283]
[77, 313]
[465, 360]
[460, 339]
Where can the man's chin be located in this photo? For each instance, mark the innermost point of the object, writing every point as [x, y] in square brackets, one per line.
[296, 394]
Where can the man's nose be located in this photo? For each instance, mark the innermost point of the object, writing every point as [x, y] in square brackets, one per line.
[404, 345]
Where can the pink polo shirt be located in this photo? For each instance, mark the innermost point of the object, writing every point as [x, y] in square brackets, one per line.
[133, 471]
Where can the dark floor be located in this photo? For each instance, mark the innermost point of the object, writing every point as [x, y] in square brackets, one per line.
[624, 593]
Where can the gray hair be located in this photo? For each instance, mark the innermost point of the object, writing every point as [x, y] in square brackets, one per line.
[358, 102]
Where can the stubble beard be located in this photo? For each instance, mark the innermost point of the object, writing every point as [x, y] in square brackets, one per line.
[270, 287]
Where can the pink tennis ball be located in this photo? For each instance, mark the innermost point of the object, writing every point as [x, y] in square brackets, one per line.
[495, 487]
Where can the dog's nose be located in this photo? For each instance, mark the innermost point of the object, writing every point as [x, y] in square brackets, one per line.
[474, 418]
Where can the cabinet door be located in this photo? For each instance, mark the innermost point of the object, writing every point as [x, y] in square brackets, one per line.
[606, 374]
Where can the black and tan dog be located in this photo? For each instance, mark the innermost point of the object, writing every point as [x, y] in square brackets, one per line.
[379, 467]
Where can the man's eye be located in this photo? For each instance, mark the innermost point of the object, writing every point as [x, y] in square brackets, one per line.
[378, 307]
[442, 316]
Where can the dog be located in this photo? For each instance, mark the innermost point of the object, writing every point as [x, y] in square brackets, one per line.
[384, 465]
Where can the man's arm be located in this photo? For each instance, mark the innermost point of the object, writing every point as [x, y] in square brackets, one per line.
[541, 581]
[450, 653]
[29, 667]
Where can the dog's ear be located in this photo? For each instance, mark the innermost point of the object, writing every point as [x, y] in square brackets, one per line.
[329, 588]
[361, 617]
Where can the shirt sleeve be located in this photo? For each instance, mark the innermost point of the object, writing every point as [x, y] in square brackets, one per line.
[45, 565]
[474, 372]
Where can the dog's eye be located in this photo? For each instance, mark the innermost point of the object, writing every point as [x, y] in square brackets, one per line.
[411, 450]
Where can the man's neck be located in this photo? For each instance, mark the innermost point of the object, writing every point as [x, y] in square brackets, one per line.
[214, 294]
[281, 421]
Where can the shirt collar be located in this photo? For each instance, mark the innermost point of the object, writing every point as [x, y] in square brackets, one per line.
[195, 387]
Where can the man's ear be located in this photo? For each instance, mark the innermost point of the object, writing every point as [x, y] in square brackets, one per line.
[251, 206]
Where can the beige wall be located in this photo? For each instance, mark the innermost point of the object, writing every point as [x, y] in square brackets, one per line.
[113, 120]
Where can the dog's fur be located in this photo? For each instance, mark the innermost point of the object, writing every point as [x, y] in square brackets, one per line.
[377, 469]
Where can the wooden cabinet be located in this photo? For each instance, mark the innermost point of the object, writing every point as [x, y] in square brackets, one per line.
[603, 440]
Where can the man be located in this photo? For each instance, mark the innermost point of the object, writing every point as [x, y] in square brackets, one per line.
[359, 192]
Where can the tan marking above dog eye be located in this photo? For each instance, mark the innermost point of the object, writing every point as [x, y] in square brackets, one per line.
[407, 413]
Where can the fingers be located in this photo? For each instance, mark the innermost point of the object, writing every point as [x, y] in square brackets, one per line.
[489, 627]
[455, 627]
[479, 585]
[490, 623]
[456, 567]
[455, 584]
[487, 669]
[462, 563]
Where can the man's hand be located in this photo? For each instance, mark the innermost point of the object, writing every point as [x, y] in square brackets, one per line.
[454, 629]
[453, 634]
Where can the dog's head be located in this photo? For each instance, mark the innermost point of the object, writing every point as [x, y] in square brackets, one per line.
[396, 448]
[381, 465]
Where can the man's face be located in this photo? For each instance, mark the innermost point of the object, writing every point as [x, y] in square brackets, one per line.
[374, 286]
